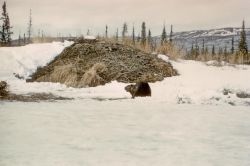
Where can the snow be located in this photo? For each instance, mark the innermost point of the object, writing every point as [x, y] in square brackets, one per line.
[124, 132]
[163, 57]
[187, 121]
[90, 37]
[219, 32]
[25, 60]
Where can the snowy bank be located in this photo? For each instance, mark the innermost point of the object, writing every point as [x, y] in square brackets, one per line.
[198, 83]
[25, 60]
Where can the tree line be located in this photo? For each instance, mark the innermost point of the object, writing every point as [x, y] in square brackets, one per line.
[145, 41]
[232, 55]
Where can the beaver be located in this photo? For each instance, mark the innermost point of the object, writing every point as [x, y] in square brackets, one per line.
[141, 89]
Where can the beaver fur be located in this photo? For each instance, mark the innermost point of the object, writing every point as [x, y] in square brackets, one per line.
[141, 89]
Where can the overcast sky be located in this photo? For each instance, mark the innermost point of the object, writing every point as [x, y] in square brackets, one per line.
[76, 16]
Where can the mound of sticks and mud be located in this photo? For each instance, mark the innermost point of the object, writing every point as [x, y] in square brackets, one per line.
[92, 63]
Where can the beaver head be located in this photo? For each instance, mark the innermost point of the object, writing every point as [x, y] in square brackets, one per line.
[131, 89]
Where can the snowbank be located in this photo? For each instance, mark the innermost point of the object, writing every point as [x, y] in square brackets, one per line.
[198, 83]
[24, 60]
[202, 84]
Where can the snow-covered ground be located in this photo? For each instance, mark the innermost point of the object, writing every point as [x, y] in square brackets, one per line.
[188, 120]
[123, 133]
[198, 83]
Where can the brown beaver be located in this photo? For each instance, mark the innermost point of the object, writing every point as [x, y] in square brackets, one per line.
[141, 89]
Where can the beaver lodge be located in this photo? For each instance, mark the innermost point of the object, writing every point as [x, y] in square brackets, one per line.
[90, 63]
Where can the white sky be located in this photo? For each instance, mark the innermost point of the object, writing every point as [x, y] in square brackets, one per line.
[76, 16]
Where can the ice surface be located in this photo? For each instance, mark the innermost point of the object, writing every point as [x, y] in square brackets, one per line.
[123, 132]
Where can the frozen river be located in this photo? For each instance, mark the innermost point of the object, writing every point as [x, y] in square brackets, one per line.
[123, 132]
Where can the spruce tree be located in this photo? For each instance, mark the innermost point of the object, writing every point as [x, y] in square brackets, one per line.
[143, 34]
[171, 34]
[19, 40]
[8, 30]
[149, 39]
[163, 36]
[133, 35]
[197, 50]
[192, 51]
[203, 47]
[3, 37]
[6, 33]
[206, 53]
[232, 49]
[225, 53]
[192, 47]
[106, 31]
[30, 27]
[213, 50]
[124, 31]
[3, 28]
[117, 35]
[24, 39]
[243, 50]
